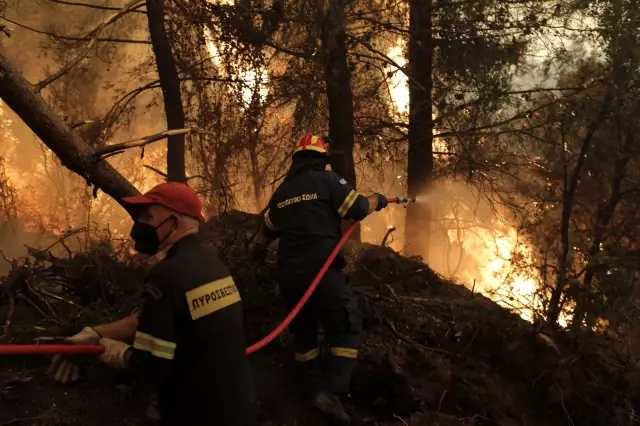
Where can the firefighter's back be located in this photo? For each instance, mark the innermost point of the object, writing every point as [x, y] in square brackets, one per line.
[308, 224]
[211, 382]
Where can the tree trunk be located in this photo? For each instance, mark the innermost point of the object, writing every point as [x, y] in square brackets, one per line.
[570, 187]
[420, 155]
[253, 132]
[338, 85]
[256, 176]
[73, 152]
[170, 85]
[222, 202]
[603, 219]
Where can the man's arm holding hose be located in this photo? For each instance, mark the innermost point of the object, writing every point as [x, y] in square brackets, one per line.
[64, 369]
[154, 344]
[268, 233]
[349, 203]
[123, 329]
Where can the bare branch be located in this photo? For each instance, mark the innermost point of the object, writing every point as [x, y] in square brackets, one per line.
[81, 123]
[74, 38]
[91, 6]
[109, 150]
[120, 105]
[153, 169]
[44, 83]
[518, 116]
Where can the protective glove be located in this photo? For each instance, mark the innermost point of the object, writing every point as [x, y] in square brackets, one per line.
[63, 368]
[259, 254]
[382, 202]
[114, 352]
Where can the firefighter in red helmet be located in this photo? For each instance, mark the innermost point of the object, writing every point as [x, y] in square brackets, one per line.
[305, 213]
[186, 339]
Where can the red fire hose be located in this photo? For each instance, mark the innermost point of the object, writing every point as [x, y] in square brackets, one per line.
[307, 294]
[98, 349]
[305, 297]
[50, 349]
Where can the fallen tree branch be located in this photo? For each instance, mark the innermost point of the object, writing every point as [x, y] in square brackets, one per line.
[59, 298]
[65, 236]
[77, 124]
[94, 35]
[386, 236]
[39, 309]
[74, 153]
[109, 150]
[400, 277]
[413, 343]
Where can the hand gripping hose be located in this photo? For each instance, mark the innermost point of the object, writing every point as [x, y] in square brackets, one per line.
[50, 349]
[98, 349]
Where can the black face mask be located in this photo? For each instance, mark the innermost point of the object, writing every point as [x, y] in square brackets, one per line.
[146, 237]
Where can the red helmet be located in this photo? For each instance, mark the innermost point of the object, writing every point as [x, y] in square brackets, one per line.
[175, 196]
[310, 142]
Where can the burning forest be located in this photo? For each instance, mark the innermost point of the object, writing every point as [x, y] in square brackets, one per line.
[504, 292]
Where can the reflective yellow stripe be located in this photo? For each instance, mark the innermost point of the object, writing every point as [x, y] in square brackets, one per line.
[157, 347]
[345, 352]
[347, 203]
[211, 297]
[267, 221]
[307, 356]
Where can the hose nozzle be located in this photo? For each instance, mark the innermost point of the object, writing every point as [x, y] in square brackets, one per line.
[401, 200]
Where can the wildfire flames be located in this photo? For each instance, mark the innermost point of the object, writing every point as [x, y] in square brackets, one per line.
[491, 270]
[487, 251]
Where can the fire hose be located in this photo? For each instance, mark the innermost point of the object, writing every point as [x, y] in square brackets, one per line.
[98, 349]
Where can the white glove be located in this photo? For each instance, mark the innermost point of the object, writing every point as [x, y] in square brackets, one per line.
[62, 367]
[87, 336]
[114, 352]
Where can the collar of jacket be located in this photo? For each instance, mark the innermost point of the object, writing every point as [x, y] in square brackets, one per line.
[162, 254]
[157, 258]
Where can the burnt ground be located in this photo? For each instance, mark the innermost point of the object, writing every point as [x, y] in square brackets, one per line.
[434, 353]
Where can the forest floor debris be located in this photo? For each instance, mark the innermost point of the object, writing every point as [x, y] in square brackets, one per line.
[434, 353]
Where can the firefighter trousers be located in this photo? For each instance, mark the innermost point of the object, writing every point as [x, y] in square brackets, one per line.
[333, 306]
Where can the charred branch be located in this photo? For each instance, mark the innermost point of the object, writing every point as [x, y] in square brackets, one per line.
[111, 150]
[72, 38]
[153, 169]
[93, 35]
[91, 6]
[73, 152]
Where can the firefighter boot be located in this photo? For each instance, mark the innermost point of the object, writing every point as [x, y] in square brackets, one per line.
[329, 404]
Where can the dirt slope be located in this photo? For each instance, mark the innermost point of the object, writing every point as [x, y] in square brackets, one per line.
[434, 354]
